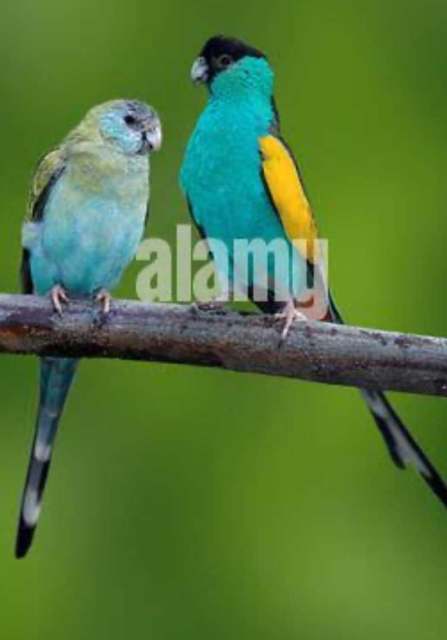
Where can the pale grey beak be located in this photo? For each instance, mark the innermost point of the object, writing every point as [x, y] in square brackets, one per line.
[155, 135]
[200, 71]
[152, 134]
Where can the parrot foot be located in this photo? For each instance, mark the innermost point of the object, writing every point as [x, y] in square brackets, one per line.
[290, 314]
[104, 298]
[58, 296]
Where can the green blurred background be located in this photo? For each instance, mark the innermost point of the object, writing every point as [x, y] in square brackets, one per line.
[187, 503]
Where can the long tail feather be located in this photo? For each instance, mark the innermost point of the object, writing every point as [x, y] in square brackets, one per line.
[402, 447]
[56, 376]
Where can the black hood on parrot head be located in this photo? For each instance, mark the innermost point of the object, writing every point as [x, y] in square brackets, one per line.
[218, 54]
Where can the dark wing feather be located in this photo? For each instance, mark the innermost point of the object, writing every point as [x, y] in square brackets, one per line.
[25, 273]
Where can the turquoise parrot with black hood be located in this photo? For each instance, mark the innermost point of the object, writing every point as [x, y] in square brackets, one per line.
[87, 214]
[241, 181]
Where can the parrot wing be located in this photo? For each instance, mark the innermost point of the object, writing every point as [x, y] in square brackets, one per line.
[48, 172]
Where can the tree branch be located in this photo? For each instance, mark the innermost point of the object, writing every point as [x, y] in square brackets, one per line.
[239, 342]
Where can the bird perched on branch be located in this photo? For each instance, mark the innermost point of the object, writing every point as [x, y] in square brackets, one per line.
[241, 181]
[87, 213]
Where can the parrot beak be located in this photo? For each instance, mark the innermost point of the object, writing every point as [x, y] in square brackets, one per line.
[200, 71]
[152, 135]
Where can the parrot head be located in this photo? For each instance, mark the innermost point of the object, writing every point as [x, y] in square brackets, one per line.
[230, 62]
[130, 126]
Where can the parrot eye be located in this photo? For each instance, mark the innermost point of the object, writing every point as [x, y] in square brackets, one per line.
[130, 120]
[224, 61]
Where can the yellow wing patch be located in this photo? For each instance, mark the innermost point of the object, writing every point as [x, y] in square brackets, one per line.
[287, 194]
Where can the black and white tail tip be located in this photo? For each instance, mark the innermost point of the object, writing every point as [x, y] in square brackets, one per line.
[32, 498]
[403, 448]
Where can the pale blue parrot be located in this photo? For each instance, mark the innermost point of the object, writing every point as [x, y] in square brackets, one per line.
[87, 214]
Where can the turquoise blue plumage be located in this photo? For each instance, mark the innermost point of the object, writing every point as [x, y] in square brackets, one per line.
[242, 182]
[222, 168]
[87, 214]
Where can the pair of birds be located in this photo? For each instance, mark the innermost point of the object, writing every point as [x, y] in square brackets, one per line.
[89, 207]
